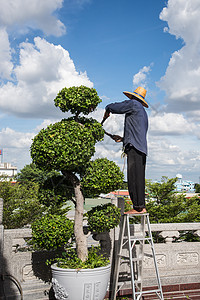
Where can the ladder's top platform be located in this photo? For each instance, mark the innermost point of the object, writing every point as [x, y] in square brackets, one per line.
[136, 214]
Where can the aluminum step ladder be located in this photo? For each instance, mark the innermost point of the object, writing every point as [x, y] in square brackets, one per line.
[135, 258]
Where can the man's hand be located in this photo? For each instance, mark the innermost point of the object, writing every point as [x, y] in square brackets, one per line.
[117, 138]
[106, 115]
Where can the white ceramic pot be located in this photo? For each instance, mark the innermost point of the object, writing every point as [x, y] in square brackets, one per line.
[82, 284]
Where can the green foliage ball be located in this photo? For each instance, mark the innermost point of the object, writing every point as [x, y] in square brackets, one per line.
[102, 176]
[66, 145]
[55, 190]
[51, 232]
[103, 217]
[77, 99]
[93, 126]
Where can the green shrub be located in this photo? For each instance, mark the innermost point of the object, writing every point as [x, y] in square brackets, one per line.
[77, 99]
[21, 204]
[51, 232]
[101, 175]
[70, 260]
[103, 217]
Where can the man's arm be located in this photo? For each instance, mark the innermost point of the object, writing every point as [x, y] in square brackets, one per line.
[117, 108]
[120, 107]
[106, 115]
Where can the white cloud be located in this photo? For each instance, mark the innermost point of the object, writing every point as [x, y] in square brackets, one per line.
[175, 148]
[181, 80]
[43, 70]
[169, 158]
[114, 124]
[6, 65]
[163, 152]
[10, 138]
[194, 115]
[165, 157]
[141, 77]
[105, 98]
[112, 151]
[182, 77]
[102, 150]
[171, 124]
[183, 19]
[33, 14]
[97, 114]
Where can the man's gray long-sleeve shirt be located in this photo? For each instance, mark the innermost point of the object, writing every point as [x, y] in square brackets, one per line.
[135, 125]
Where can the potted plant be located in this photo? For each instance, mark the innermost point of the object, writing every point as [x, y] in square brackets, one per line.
[68, 146]
[54, 232]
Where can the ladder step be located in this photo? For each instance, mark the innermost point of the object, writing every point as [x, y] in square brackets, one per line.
[134, 259]
[129, 279]
[128, 258]
[149, 292]
[137, 238]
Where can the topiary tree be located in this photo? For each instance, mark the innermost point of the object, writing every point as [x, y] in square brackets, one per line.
[68, 146]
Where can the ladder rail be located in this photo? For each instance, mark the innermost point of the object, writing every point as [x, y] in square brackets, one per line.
[130, 256]
[154, 256]
[136, 263]
[141, 253]
[117, 263]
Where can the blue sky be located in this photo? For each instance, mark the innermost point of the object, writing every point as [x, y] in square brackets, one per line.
[112, 46]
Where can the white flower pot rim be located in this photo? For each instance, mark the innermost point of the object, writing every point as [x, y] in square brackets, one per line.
[54, 267]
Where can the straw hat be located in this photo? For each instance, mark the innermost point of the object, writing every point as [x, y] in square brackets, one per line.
[139, 93]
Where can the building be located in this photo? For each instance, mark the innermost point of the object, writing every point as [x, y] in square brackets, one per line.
[6, 169]
[184, 185]
[118, 193]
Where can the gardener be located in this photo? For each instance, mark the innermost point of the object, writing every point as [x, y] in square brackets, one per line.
[134, 142]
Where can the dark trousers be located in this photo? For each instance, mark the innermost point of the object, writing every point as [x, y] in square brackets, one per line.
[136, 163]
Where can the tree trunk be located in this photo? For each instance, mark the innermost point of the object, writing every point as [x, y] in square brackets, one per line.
[81, 241]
